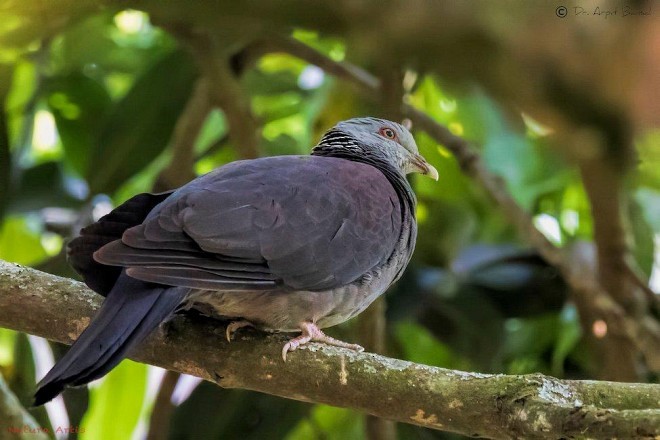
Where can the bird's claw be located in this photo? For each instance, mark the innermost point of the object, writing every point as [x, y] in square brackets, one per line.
[311, 333]
[235, 325]
[166, 328]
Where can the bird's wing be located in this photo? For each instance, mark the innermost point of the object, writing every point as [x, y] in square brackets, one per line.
[99, 277]
[299, 222]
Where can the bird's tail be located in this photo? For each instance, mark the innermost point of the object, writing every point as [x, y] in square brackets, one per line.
[129, 313]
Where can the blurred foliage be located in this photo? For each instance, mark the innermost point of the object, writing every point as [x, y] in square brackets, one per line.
[120, 394]
[89, 107]
[255, 416]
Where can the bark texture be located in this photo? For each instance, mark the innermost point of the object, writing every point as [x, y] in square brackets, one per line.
[15, 421]
[486, 405]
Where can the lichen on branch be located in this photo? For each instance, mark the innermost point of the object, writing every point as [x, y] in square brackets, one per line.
[487, 405]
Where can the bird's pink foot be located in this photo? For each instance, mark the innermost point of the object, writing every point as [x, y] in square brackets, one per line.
[235, 325]
[311, 333]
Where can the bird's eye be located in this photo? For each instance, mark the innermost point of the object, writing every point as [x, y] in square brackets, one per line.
[388, 133]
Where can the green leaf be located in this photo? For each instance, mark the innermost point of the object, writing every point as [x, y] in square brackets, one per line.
[648, 147]
[270, 83]
[98, 47]
[41, 186]
[20, 242]
[20, 105]
[283, 144]
[230, 414]
[140, 125]
[452, 185]
[529, 166]
[529, 339]
[115, 405]
[6, 74]
[574, 203]
[80, 106]
[649, 200]
[329, 423]
[214, 128]
[7, 342]
[569, 335]
[21, 375]
[282, 105]
[642, 237]
[332, 47]
[420, 346]
[24, 376]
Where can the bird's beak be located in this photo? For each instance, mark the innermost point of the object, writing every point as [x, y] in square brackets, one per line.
[423, 167]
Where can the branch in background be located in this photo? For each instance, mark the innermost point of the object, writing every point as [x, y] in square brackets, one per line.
[637, 277]
[161, 414]
[604, 188]
[225, 90]
[15, 421]
[621, 326]
[344, 71]
[392, 93]
[216, 146]
[495, 406]
[181, 168]
[606, 154]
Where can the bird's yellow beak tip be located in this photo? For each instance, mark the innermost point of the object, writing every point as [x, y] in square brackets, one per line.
[424, 167]
[432, 172]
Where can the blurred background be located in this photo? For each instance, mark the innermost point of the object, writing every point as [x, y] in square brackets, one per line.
[560, 101]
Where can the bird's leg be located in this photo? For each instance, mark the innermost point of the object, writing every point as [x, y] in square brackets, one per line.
[311, 333]
[235, 325]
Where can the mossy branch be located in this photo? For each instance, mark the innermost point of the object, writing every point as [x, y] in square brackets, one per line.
[15, 421]
[495, 406]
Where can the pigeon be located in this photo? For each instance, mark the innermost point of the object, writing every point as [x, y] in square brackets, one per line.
[285, 244]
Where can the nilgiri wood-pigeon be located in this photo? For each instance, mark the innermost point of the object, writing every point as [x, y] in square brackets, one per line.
[288, 243]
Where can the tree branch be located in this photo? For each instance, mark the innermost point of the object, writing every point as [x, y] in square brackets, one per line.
[161, 414]
[225, 91]
[604, 187]
[345, 71]
[181, 168]
[15, 421]
[496, 406]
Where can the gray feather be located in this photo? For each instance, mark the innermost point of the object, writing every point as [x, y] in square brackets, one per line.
[309, 223]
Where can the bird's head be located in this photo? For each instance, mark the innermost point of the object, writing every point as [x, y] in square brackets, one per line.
[378, 140]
